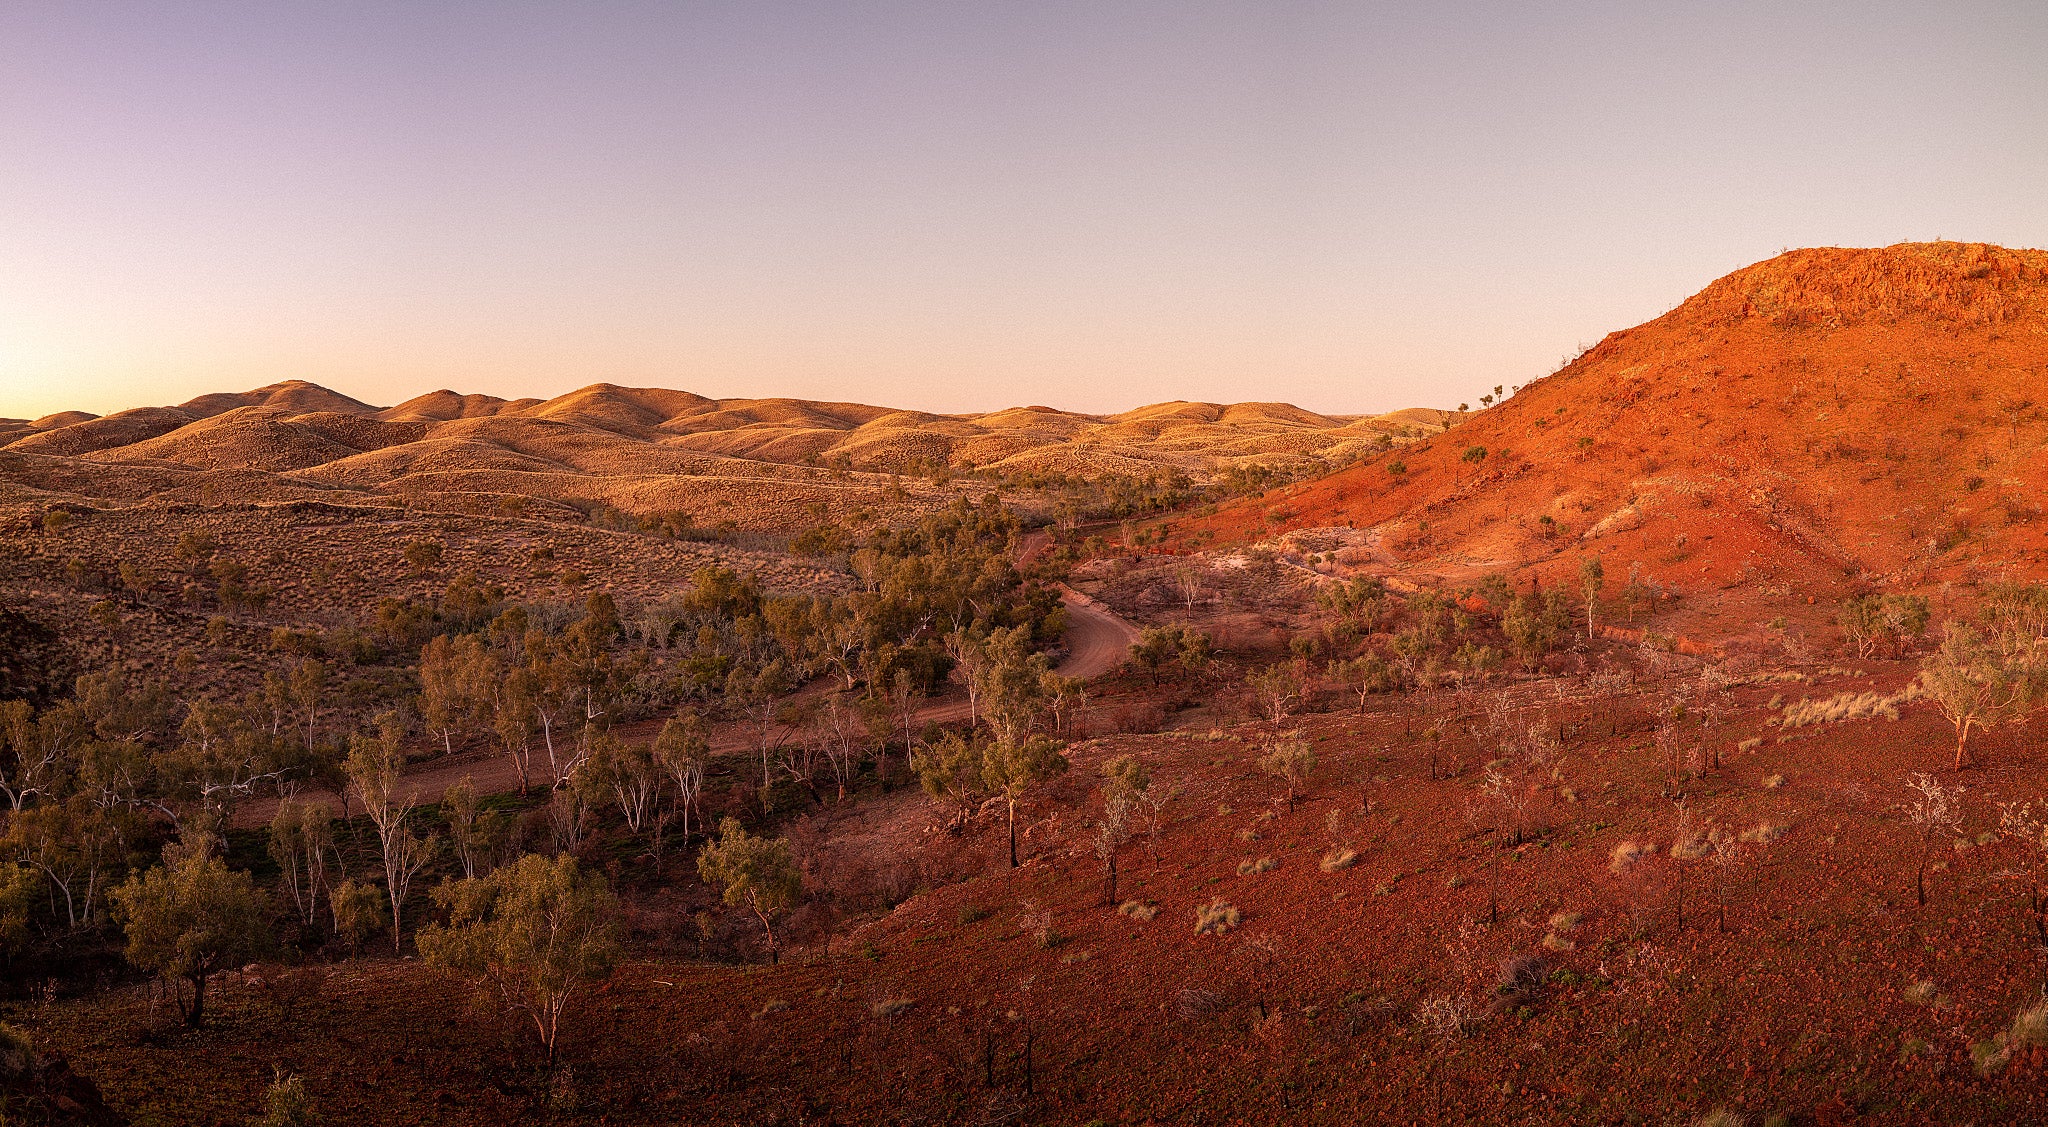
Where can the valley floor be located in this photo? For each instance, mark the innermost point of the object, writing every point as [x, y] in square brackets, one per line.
[1797, 976]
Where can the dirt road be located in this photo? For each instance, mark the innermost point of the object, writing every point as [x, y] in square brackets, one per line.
[1097, 642]
[1097, 639]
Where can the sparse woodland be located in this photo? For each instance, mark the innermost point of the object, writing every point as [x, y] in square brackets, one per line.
[1570, 768]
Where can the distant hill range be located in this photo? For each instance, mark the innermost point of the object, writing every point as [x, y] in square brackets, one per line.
[1829, 419]
[637, 449]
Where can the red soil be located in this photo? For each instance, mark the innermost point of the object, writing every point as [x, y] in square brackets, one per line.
[1827, 420]
[1310, 1010]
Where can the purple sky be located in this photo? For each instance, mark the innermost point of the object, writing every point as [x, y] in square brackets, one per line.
[954, 205]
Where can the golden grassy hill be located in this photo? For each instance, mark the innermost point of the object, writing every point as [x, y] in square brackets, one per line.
[758, 463]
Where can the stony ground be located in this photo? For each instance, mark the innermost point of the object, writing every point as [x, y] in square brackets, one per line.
[1800, 977]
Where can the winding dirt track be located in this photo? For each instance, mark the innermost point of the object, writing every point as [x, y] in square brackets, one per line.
[1097, 642]
[1097, 639]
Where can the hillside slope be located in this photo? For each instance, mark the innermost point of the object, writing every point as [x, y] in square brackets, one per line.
[1825, 420]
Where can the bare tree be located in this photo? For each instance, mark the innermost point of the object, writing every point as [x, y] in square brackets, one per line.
[1188, 581]
[1935, 811]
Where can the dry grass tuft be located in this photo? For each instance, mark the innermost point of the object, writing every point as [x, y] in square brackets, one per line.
[1339, 859]
[1137, 909]
[1215, 918]
[1848, 706]
[1445, 1016]
[1627, 854]
[890, 1007]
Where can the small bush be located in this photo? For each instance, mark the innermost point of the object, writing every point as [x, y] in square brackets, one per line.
[1750, 744]
[423, 555]
[1137, 909]
[1338, 860]
[1250, 867]
[1521, 976]
[1445, 1016]
[1215, 918]
[285, 1103]
[973, 914]
[1627, 854]
[1773, 782]
[1764, 833]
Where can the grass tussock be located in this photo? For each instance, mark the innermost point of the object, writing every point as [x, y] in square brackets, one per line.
[1847, 706]
[2029, 1029]
[890, 1007]
[1764, 833]
[1252, 867]
[1625, 855]
[1137, 909]
[1338, 860]
[1215, 918]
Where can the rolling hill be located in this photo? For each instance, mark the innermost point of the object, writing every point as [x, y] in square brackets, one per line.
[760, 463]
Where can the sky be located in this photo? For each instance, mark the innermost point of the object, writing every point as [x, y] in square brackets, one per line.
[954, 205]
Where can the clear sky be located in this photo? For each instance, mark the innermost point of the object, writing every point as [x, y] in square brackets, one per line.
[956, 205]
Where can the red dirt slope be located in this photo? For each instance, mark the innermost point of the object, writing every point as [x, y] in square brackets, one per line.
[1827, 419]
